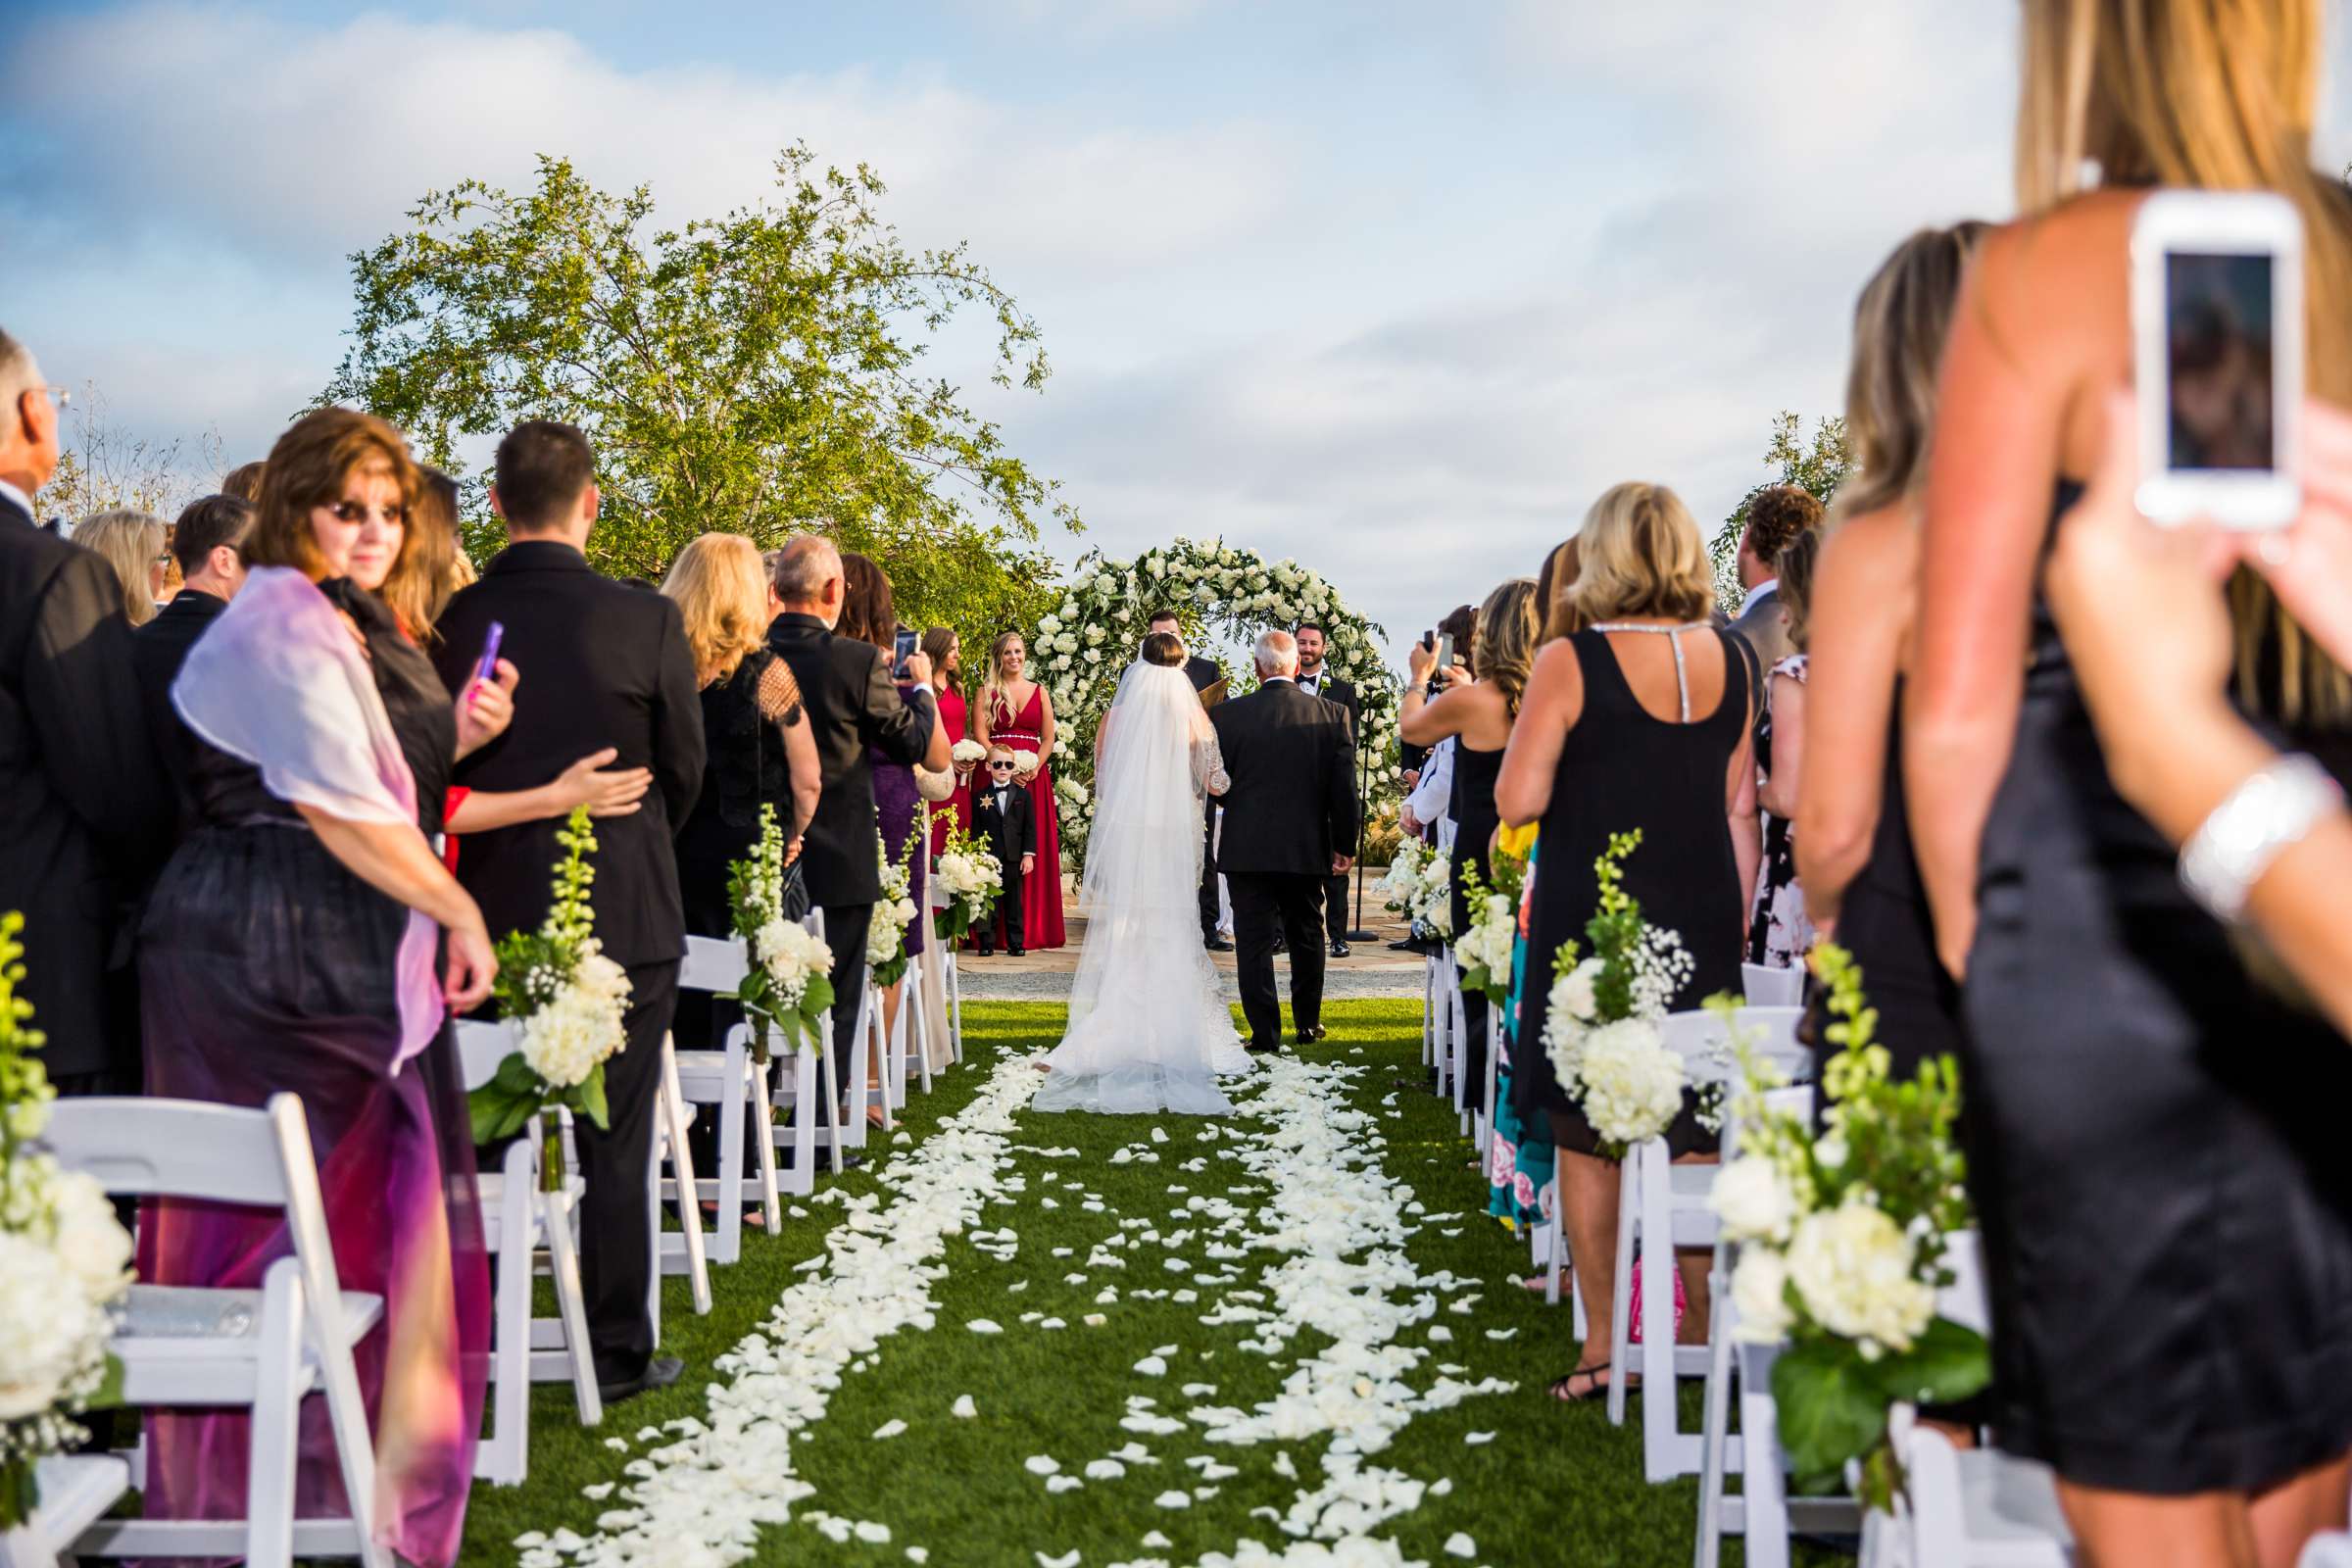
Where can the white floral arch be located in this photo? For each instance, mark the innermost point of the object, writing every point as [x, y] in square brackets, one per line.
[1083, 643]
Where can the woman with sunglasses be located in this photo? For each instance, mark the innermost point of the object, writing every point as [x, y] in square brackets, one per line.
[306, 937]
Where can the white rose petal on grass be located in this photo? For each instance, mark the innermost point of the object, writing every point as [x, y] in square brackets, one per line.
[1458, 1545]
[1156, 1539]
[1153, 1366]
[872, 1533]
[1093, 1320]
[1068, 1559]
[963, 1407]
[1058, 1485]
[1500, 1334]
[888, 1429]
[1041, 1464]
[1105, 1469]
[1173, 1499]
[982, 1325]
[1477, 1439]
[918, 1554]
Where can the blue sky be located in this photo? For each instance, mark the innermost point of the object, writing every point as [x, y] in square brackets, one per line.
[1394, 288]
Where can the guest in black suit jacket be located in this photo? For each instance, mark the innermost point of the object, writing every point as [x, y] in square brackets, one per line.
[1001, 815]
[206, 543]
[1202, 673]
[84, 807]
[606, 667]
[1290, 826]
[854, 710]
[1315, 676]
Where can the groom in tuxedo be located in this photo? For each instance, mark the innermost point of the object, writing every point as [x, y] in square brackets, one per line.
[1290, 826]
[1315, 676]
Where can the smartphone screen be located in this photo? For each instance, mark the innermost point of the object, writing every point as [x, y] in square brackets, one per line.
[486, 668]
[2219, 349]
[905, 650]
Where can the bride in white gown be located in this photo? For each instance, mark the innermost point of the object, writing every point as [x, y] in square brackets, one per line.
[1148, 1031]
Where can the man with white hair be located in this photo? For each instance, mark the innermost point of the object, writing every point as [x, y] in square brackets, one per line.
[1290, 826]
[87, 805]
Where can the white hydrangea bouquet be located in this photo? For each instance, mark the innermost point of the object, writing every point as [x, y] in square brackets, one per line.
[788, 984]
[64, 1261]
[965, 756]
[1401, 886]
[568, 1003]
[894, 914]
[972, 878]
[1840, 1239]
[1600, 1024]
[1484, 952]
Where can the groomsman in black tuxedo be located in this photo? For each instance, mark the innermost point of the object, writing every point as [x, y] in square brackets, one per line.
[1202, 673]
[1316, 677]
[1001, 815]
[205, 541]
[1290, 826]
[602, 665]
[854, 709]
[85, 808]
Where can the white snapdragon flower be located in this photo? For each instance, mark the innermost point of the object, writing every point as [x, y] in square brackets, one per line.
[1852, 1268]
[1760, 1292]
[1754, 1200]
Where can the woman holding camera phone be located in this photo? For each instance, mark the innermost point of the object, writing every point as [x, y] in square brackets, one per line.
[2168, 1220]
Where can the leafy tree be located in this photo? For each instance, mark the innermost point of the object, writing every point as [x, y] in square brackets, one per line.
[1820, 466]
[759, 373]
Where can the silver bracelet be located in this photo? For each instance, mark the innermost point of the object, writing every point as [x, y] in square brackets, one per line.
[2236, 845]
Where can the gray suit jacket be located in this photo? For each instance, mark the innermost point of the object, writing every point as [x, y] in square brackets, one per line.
[1761, 626]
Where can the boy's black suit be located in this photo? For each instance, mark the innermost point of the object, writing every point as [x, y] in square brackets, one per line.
[1005, 820]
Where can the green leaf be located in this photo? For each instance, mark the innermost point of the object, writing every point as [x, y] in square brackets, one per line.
[592, 1098]
[816, 996]
[1946, 1363]
[486, 1108]
[518, 1116]
[109, 1393]
[1832, 1409]
[514, 1075]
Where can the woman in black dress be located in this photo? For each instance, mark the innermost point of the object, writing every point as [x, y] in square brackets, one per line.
[1854, 836]
[758, 747]
[1639, 721]
[2168, 1210]
[1478, 714]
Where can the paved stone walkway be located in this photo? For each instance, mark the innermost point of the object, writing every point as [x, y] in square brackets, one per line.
[1373, 969]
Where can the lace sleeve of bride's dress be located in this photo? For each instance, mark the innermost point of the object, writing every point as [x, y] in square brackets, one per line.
[1208, 765]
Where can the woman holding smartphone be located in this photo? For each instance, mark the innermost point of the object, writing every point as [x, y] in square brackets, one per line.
[2166, 1212]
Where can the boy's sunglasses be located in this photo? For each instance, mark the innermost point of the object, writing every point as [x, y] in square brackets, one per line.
[1000, 767]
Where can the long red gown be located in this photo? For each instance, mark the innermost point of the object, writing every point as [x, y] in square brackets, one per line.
[956, 812]
[1041, 893]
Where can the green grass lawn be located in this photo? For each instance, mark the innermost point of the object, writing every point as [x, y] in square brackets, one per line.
[1557, 1484]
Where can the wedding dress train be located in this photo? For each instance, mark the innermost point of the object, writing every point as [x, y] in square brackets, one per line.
[1148, 1031]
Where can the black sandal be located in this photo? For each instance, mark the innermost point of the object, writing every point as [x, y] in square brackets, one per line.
[1564, 1389]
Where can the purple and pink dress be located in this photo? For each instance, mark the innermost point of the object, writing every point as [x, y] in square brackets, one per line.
[267, 965]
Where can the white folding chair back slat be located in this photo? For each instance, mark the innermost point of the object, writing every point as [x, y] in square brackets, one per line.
[519, 1218]
[1768, 986]
[678, 1252]
[76, 1491]
[306, 1324]
[729, 1081]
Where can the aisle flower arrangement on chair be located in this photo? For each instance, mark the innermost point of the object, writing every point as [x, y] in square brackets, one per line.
[895, 914]
[1841, 1249]
[1419, 886]
[64, 1261]
[788, 984]
[568, 1003]
[1484, 952]
[973, 879]
[1601, 1022]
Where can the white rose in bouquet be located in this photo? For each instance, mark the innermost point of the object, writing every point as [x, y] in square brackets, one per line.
[791, 954]
[90, 1241]
[967, 753]
[50, 1329]
[1852, 1268]
[1761, 1292]
[1632, 1084]
[1754, 1200]
[1024, 765]
[1571, 993]
[567, 1036]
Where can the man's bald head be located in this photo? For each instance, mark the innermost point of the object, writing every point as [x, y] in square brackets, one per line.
[809, 577]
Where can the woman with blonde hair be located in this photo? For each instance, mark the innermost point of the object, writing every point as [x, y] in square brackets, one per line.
[1852, 834]
[2166, 1212]
[1016, 712]
[132, 543]
[1639, 721]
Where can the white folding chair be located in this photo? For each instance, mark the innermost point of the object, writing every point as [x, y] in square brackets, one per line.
[1486, 1121]
[868, 1049]
[911, 1032]
[729, 1081]
[1665, 1206]
[1429, 1011]
[1973, 1508]
[75, 1493]
[519, 1218]
[950, 979]
[812, 1092]
[2330, 1551]
[1441, 1005]
[1765, 986]
[262, 1349]
[1457, 1026]
[678, 1252]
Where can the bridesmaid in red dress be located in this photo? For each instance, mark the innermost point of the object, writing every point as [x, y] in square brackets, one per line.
[945, 650]
[1015, 712]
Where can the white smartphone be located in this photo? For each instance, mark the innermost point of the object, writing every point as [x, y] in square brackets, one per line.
[2216, 321]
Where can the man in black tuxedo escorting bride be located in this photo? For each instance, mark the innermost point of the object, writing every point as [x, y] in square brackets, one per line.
[1315, 676]
[1290, 826]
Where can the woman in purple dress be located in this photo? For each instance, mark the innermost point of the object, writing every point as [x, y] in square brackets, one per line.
[307, 938]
